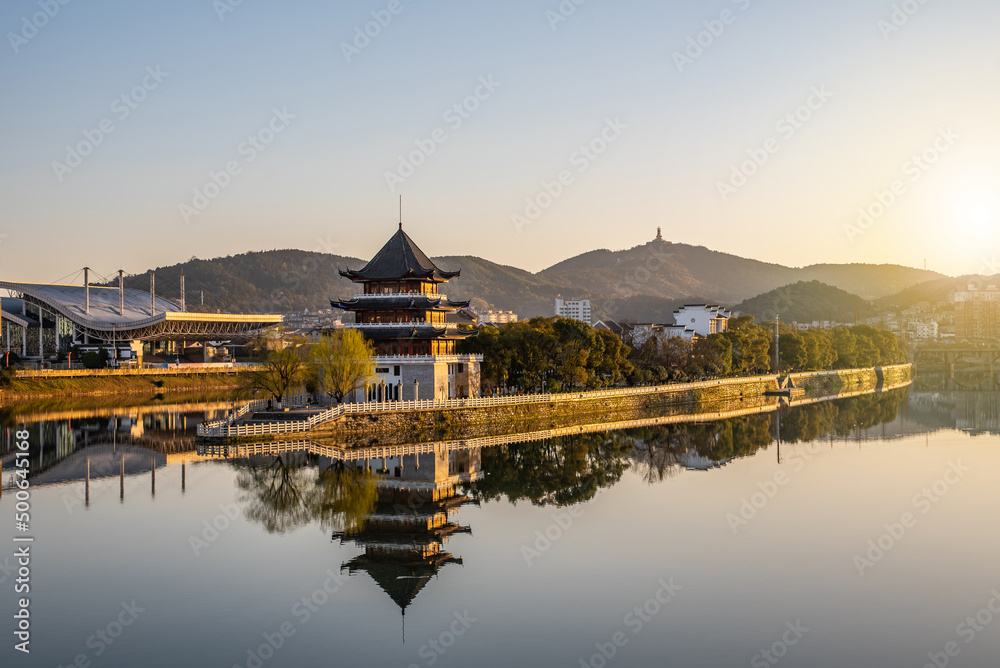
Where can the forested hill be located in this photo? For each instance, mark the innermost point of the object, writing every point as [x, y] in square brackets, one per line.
[644, 283]
[808, 301]
[938, 290]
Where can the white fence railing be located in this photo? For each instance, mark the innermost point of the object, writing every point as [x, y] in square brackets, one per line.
[229, 428]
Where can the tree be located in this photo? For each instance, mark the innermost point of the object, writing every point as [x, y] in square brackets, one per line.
[712, 356]
[793, 351]
[343, 361]
[614, 365]
[281, 363]
[845, 344]
[95, 360]
[751, 345]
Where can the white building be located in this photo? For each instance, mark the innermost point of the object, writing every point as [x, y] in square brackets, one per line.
[663, 333]
[704, 319]
[575, 309]
[924, 331]
[496, 317]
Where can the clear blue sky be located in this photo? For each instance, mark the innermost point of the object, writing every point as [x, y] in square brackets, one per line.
[671, 136]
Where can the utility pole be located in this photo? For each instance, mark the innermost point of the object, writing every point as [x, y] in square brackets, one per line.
[86, 290]
[121, 292]
[777, 356]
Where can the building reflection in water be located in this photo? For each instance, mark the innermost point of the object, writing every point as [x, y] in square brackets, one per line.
[404, 536]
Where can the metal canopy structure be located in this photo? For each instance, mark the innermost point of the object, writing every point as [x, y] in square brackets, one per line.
[122, 314]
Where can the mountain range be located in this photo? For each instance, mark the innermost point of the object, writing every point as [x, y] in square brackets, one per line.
[644, 283]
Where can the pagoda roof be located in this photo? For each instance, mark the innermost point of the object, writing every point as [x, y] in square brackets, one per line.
[415, 330]
[400, 258]
[402, 581]
[379, 303]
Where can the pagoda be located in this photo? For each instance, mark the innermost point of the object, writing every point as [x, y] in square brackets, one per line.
[411, 326]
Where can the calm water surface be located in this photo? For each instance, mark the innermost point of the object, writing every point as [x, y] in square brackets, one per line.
[868, 537]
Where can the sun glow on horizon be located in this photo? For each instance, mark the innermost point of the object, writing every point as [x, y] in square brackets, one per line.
[972, 213]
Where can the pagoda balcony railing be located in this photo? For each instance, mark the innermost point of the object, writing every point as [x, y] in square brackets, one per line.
[445, 357]
[397, 295]
[404, 323]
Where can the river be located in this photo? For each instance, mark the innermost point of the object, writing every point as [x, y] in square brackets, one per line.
[852, 532]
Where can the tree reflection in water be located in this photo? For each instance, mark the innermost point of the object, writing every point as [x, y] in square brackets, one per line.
[569, 470]
[283, 494]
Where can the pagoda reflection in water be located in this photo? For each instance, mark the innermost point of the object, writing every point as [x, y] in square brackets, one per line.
[405, 534]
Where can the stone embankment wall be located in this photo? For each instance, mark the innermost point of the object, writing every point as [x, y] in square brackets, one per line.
[467, 422]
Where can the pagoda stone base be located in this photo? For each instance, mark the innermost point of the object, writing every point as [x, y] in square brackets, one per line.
[436, 377]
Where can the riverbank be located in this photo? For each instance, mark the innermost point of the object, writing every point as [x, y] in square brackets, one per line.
[149, 384]
[563, 411]
[462, 418]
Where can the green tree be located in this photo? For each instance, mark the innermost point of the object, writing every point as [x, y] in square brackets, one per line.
[614, 365]
[712, 356]
[845, 345]
[751, 345]
[793, 352]
[342, 362]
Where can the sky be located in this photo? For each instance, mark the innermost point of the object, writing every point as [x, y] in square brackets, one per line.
[141, 134]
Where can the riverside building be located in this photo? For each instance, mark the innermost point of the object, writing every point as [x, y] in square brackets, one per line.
[400, 310]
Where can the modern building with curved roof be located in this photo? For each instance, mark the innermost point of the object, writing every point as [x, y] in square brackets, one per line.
[39, 321]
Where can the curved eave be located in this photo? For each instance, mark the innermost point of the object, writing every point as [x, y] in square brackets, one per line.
[422, 304]
[433, 276]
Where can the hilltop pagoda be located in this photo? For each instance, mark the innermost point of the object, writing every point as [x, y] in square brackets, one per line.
[411, 326]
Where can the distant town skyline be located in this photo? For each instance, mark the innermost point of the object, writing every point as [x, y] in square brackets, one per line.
[525, 133]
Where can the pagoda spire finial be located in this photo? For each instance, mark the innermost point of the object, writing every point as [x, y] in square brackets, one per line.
[400, 212]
